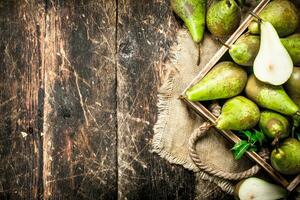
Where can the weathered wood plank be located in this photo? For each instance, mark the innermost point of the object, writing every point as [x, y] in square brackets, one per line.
[21, 89]
[80, 108]
[146, 29]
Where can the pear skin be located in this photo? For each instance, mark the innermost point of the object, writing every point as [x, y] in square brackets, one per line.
[270, 97]
[225, 80]
[223, 17]
[292, 45]
[192, 12]
[274, 125]
[286, 158]
[292, 86]
[282, 14]
[245, 49]
[238, 113]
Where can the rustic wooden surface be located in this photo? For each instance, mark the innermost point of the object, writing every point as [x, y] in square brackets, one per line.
[78, 100]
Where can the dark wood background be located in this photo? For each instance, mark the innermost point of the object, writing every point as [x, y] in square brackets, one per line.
[78, 94]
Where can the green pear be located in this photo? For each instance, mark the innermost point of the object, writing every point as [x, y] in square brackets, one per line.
[292, 45]
[292, 86]
[192, 12]
[273, 63]
[223, 17]
[286, 157]
[238, 113]
[274, 125]
[282, 14]
[270, 97]
[225, 80]
[245, 49]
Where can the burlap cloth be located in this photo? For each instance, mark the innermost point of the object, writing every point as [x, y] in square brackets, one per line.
[176, 122]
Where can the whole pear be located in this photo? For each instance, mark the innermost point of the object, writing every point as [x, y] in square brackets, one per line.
[270, 97]
[286, 158]
[238, 113]
[225, 80]
[223, 17]
[245, 49]
[192, 12]
[292, 45]
[292, 86]
[274, 125]
[282, 14]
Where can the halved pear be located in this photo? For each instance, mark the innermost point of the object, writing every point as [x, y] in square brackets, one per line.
[273, 63]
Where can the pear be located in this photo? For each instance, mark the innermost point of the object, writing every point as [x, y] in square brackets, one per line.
[270, 97]
[223, 17]
[225, 80]
[245, 49]
[286, 158]
[258, 189]
[292, 45]
[238, 113]
[192, 12]
[282, 14]
[292, 86]
[273, 63]
[274, 125]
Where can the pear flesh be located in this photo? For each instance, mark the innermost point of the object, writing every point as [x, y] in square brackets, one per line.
[245, 49]
[225, 80]
[238, 113]
[258, 189]
[192, 12]
[274, 125]
[286, 158]
[270, 97]
[273, 63]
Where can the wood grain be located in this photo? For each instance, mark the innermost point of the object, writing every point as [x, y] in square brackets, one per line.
[21, 89]
[145, 33]
[80, 113]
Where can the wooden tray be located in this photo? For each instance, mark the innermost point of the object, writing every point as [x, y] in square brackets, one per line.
[204, 112]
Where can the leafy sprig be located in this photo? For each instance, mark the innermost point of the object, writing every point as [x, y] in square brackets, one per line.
[252, 140]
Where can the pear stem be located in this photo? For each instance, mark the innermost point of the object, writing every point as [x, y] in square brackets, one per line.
[276, 139]
[223, 43]
[199, 54]
[256, 16]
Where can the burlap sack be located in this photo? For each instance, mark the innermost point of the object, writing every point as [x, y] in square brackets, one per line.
[176, 122]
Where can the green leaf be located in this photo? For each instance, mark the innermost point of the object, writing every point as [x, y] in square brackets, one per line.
[259, 136]
[248, 134]
[240, 148]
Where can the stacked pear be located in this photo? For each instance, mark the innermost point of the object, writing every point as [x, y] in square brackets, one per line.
[223, 17]
[245, 49]
[292, 86]
[282, 14]
[274, 125]
[271, 97]
[286, 157]
[192, 12]
[225, 80]
[238, 113]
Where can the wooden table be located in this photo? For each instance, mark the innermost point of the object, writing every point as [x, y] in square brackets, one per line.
[78, 94]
